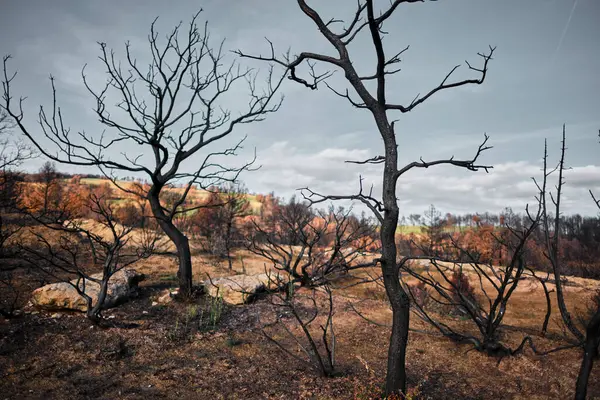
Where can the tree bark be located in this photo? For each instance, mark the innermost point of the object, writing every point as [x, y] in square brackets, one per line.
[387, 210]
[228, 244]
[93, 312]
[184, 255]
[181, 242]
[548, 308]
[590, 351]
[399, 300]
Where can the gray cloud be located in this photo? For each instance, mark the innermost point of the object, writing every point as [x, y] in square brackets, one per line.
[452, 190]
[531, 90]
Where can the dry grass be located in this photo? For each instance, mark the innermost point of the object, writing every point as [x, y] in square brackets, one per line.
[44, 357]
[195, 195]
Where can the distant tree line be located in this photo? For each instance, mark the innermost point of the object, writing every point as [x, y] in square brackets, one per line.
[578, 244]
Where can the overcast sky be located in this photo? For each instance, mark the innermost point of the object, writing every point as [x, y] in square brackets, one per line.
[545, 72]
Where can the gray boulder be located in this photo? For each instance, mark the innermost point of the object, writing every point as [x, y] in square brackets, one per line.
[63, 296]
[240, 289]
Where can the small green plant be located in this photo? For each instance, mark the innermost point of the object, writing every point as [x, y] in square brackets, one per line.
[191, 312]
[184, 324]
[174, 333]
[290, 290]
[216, 310]
[209, 319]
[167, 278]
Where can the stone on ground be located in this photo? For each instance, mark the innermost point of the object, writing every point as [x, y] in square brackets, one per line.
[63, 296]
[240, 289]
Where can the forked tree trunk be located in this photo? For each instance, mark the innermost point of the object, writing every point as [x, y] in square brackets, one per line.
[93, 312]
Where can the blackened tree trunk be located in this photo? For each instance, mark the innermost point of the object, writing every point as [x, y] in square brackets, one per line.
[590, 352]
[93, 311]
[184, 256]
[386, 208]
[183, 117]
[399, 300]
[228, 232]
[180, 241]
[548, 307]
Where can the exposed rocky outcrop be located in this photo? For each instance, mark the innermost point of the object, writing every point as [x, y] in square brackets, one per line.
[64, 296]
[240, 289]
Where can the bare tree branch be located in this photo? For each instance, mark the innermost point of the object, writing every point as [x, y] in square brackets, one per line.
[468, 164]
[172, 110]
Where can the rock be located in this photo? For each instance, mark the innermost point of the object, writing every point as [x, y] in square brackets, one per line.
[240, 289]
[237, 289]
[165, 297]
[63, 296]
[273, 280]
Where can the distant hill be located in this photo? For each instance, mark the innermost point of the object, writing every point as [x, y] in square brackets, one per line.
[195, 195]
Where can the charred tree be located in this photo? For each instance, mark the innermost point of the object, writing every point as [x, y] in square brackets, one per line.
[81, 247]
[172, 111]
[312, 248]
[588, 339]
[368, 20]
[448, 283]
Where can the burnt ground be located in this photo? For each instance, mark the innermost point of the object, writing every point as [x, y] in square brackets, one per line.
[173, 351]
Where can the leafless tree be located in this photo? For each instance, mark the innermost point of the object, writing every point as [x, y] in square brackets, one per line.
[12, 152]
[171, 111]
[301, 311]
[433, 231]
[484, 303]
[80, 247]
[50, 187]
[589, 339]
[12, 155]
[236, 207]
[591, 347]
[368, 19]
[312, 248]
[218, 220]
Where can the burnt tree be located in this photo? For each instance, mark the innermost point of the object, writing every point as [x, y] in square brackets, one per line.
[312, 248]
[367, 19]
[170, 111]
[302, 311]
[591, 345]
[218, 221]
[12, 155]
[483, 299]
[109, 246]
[589, 338]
